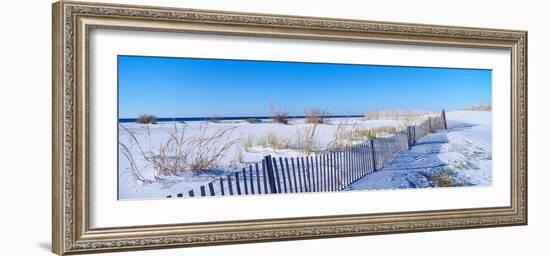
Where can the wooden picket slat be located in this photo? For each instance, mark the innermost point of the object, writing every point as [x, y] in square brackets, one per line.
[211, 188]
[288, 175]
[276, 175]
[333, 167]
[251, 179]
[325, 173]
[270, 175]
[258, 182]
[348, 166]
[304, 174]
[299, 174]
[342, 170]
[203, 191]
[221, 186]
[229, 185]
[237, 183]
[311, 173]
[296, 188]
[264, 170]
[283, 176]
[245, 182]
[308, 173]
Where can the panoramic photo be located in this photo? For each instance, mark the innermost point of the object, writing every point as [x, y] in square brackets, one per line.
[192, 127]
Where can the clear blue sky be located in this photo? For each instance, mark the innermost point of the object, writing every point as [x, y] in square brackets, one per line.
[183, 87]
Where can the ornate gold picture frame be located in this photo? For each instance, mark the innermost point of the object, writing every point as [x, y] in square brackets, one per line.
[72, 24]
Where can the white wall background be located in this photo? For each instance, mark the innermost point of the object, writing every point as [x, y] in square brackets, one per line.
[25, 117]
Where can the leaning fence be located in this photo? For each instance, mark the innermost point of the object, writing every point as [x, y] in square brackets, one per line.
[332, 170]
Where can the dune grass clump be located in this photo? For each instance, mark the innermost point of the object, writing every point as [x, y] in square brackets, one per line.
[363, 134]
[239, 158]
[280, 117]
[146, 119]
[248, 143]
[410, 120]
[179, 152]
[369, 133]
[306, 138]
[386, 130]
[481, 107]
[342, 136]
[316, 115]
[348, 134]
[272, 140]
[371, 115]
[394, 114]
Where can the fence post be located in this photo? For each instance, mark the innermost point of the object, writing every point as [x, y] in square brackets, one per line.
[270, 174]
[444, 119]
[373, 154]
[409, 137]
[414, 135]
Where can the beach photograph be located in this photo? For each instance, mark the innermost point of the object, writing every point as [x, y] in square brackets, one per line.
[190, 127]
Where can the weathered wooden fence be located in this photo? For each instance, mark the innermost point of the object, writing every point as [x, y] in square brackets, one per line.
[333, 170]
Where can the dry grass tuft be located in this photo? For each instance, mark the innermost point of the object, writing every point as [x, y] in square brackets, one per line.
[280, 117]
[248, 143]
[481, 107]
[146, 119]
[306, 138]
[343, 135]
[316, 115]
[394, 114]
[277, 116]
[410, 120]
[180, 153]
[239, 158]
[371, 115]
[347, 134]
[363, 134]
[271, 140]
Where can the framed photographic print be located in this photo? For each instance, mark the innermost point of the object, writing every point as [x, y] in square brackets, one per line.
[179, 127]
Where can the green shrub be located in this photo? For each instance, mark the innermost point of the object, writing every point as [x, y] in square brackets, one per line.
[253, 120]
[213, 119]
